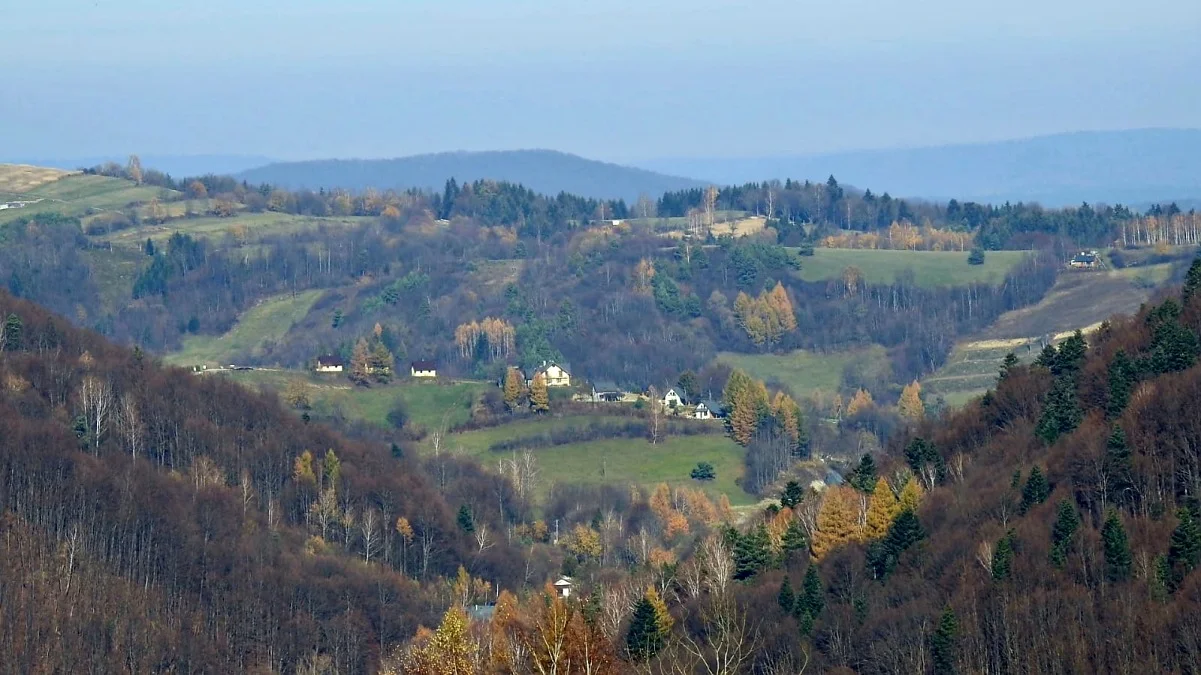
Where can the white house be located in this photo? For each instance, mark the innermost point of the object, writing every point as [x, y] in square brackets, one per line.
[707, 409]
[563, 586]
[423, 369]
[330, 363]
[554, 374]
[672, 399]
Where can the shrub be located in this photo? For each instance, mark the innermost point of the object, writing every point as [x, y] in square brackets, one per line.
[703, 471]
[976, 257]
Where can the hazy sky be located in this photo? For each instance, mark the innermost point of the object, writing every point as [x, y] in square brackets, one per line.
[612, 79]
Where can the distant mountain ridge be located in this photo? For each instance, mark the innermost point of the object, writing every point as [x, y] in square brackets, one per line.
[545, 171]
[1137, 166]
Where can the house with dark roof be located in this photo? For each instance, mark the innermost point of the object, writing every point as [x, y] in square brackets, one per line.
[607, 391]
[329, 363]
[423, 369]
[1086, 260]
[708, 409]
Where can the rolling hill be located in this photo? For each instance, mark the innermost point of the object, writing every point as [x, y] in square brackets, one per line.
[543, 171]
[1137, 166]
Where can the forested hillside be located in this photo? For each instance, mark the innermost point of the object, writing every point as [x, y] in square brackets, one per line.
[543, 171]
[152, 520]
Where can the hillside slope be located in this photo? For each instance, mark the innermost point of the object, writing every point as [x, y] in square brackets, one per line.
[1059, 531]
[152, 518]
[1137, 166]
[543, 171]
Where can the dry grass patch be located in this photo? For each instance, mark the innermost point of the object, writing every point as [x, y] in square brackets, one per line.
[22, 178]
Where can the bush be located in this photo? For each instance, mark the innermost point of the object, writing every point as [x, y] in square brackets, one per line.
[703, 471]
[398, 416]
[976, 257]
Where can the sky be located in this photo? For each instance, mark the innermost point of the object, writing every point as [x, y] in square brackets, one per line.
[620, 80]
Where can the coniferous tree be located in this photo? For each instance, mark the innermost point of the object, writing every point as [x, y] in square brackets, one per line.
[1007, 365]
[752, 553]
[882, 508]
[1070, 355]
[1036, 490]
[942, 643]
[644, 640]
[1061, 414]
[1184, 548]
[1046, 358]
[1002, 558]
[794, 538]
[465, 519]
[540, 395]
[12, 332]
[863, 476]
[512, 389]
[906, 531]
[1067, 521]
[786, 598]
[792, 495]
[1192, 280]
[1118, 561]
[811, 601]
[1122, 377]
[1118, 466]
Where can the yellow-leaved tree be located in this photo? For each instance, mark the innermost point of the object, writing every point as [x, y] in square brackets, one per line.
[881, 510]
[513, 387]
[837, 520]
[539, 395]
[450, 650]
[911, 495]
[910, 406]
[861, 402]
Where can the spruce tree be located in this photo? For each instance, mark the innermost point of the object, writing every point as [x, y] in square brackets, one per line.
[1046, 358]
[1118, 561]
[906, 531]
[1070, 355]
[942, 643]
[786, 598]
[1118, 466]
[811, 601]
[863, 476]
[12, 332]
[1192, 281]
[1067, 521]
[752, 553]
[1007, 366]
[1061, 414]
[792, 495]
[1035, 491]
[644, 640]
[465, 519]
[1161, 581]
[794, 538]
[1002, 558]
[1184, 550]
[1122, 376]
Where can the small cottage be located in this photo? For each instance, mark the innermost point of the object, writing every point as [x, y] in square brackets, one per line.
[330, 363]
[563, 586]
[707, 409]
[555, 375]
[672, 399]
[423, 369]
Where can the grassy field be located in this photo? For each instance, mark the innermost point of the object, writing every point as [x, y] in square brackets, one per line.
[972, 368]
[80, 195]
[803, 372]
[930, 268]
[114, 273]
[250, 225]
[429, 404]
[266, 322]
